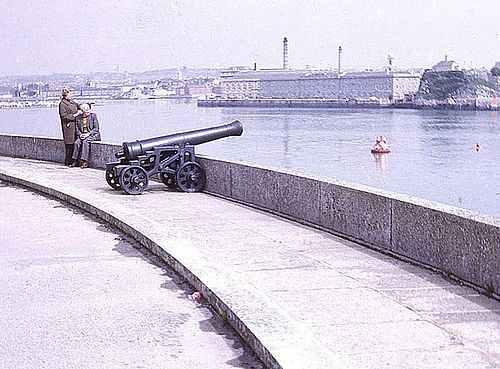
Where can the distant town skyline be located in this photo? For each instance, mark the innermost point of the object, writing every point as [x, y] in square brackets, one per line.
[96, 36]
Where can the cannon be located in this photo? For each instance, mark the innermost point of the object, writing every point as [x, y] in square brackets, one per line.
[170, 157]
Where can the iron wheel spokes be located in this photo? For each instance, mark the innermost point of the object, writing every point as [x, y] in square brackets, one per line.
[134, 180]
[113, 181]
[168, 180]
[191, 177]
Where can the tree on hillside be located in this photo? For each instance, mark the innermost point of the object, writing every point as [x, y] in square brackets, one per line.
[495, 71]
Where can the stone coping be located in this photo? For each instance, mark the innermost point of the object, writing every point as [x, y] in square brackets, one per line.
[434, 205]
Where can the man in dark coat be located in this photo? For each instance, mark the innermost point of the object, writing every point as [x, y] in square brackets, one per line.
[87, 130]
[68, 111]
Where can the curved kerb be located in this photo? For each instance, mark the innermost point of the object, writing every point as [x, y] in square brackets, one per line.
[147, 241]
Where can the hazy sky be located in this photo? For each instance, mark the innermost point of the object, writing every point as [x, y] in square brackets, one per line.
[53, 36]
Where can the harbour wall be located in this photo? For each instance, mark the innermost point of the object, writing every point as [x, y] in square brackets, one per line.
[295, 103]
[474, 104]
[459, 243]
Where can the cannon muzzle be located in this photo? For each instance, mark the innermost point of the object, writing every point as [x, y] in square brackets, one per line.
[131, 150]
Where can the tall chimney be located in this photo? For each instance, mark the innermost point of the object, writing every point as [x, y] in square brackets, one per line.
[285, 53]
[340, 58]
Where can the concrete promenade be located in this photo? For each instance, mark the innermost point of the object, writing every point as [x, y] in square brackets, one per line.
[75, 294]
[300, 297]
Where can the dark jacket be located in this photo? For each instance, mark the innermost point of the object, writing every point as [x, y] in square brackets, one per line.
[66, 110]
[92, 126]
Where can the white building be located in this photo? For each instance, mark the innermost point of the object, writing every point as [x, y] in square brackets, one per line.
[304, 84]
[445, 65]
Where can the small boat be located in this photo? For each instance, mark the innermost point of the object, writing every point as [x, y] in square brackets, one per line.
[380, 151]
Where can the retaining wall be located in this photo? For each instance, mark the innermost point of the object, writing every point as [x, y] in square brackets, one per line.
[460, 243]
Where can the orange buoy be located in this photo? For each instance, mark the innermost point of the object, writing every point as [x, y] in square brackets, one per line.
[381, 146]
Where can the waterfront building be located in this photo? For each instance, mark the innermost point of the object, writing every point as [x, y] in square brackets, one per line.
[108, 92]
[197, 90]
[81, 92]
[445, 65]
[383, 86]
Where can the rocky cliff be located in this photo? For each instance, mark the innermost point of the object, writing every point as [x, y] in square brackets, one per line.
[455, 89]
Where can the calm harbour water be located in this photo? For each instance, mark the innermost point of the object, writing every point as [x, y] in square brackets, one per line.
[431, 158]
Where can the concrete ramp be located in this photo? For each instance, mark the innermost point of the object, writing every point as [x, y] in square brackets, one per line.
[301, 298]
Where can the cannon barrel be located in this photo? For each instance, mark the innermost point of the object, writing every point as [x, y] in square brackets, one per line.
[131, 150]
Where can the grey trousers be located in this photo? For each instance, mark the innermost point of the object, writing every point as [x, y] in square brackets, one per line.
[68, 152]
[85, 145]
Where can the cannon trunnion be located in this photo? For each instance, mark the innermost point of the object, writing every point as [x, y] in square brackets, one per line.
[170, 157]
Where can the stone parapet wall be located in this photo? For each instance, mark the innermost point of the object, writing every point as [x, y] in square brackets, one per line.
[52, 149]
[455, 241]
[460, 243]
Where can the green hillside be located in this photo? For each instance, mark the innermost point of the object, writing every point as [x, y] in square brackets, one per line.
[443, 86]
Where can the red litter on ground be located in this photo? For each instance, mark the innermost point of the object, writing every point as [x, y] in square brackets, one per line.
[195, 296]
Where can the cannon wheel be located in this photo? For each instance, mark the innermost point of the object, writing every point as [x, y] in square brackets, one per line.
[168, 180]
[113, 181]
[133, 180]
[191, 177]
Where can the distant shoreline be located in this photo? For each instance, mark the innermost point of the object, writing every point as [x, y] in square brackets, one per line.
[28, 104]
[265, 103]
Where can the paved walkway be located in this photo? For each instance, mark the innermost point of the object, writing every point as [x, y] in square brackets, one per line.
[312, 300]
[77, 294]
